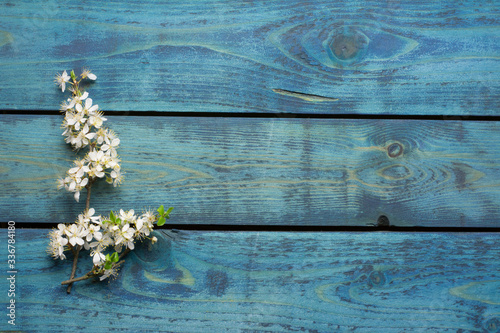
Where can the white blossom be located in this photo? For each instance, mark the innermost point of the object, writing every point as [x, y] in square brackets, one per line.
[96, 156]
[90, 215]
[98, 257]
[88, 74]
[110, 146]
[62, 79]
[75, 119]
[83, 137]
[80, 169]
[128, 216]
[116, 178]
[94, 232]
[75, 234]
[103, 242]
[125, 236]
[61, 183]
[88, 109]
[144, 224]
[57, 243]
[113, 271]
[96, 119]
[76, 100]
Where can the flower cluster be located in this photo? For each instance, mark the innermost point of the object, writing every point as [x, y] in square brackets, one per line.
[83, 127]
[108, 238]
[100, 234]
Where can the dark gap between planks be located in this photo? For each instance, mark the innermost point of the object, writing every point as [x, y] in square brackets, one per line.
[266, 115]
[278, 228]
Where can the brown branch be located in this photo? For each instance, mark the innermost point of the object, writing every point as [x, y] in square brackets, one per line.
[124, 253]
[77, 252]
[89, 275]
[73, 270]
[87, 202]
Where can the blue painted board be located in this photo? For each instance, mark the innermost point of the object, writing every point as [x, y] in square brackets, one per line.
[375, 57]
[250, 171]
[268, 282]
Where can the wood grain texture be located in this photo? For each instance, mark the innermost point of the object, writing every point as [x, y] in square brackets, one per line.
[270, 282]
[253, 171]
[375, 57]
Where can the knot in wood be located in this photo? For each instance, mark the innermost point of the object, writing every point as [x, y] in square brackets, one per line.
[492, 325]
[348, 44]
[376, 279]
[395, 150]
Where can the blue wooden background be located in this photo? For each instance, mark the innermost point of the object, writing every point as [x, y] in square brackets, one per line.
[211, 101]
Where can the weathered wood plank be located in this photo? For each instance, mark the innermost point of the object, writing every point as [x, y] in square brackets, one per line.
[255, 171]
[269, 282]
[376, 57]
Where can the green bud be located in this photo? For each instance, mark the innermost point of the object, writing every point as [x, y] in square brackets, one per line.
[73, 76]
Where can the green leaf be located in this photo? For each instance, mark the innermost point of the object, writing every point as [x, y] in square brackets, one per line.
[112, 217]
[161, 221]
[108, 265]
[115, 257]
[107, 257]
[168, 212]
[73, 76]
[161, 210]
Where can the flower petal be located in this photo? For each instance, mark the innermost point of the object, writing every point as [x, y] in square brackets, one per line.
[84, 182]
[88, 103]
[93, 108]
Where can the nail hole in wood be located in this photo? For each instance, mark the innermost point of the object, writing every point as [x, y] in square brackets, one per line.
[395, 149]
